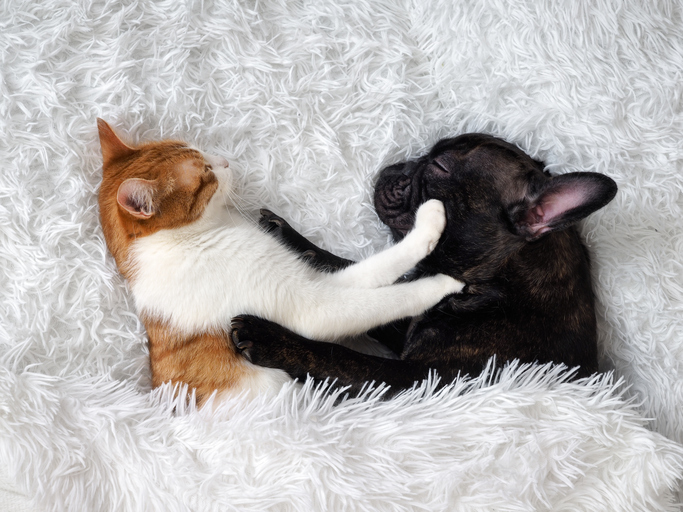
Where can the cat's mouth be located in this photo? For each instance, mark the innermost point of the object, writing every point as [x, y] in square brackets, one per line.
[397, 196]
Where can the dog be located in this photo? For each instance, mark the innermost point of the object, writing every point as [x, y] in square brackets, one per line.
[510, 236]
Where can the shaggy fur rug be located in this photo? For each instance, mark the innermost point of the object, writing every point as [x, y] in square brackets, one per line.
[309, 100]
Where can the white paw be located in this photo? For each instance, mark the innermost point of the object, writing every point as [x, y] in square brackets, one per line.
[450, 285]
[430, 221]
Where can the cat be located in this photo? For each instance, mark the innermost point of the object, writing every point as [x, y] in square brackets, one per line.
[193, 262]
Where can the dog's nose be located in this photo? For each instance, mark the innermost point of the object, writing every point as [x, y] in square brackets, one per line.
[223, 162]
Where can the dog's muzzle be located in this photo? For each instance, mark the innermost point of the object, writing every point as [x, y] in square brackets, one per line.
[396, 197]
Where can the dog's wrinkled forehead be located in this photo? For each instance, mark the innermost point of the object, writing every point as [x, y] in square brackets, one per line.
[492, 169]
[484, 154]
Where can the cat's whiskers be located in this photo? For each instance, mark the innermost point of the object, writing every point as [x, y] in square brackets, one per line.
[242, 206]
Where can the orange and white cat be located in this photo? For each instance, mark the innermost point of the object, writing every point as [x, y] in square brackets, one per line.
[193, 263]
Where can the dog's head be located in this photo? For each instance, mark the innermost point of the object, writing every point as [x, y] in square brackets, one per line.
[497, 200]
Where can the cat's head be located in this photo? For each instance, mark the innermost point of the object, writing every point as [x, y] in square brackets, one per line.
[153, 186]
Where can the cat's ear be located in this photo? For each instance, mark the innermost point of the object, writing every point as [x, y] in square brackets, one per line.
[113, 148]
[564, 200]
[136, 196]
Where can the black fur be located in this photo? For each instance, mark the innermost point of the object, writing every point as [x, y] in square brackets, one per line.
[509, 236]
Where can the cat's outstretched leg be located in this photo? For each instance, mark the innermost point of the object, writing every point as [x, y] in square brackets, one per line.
[386, 267]
[332, 313]
[383, 268]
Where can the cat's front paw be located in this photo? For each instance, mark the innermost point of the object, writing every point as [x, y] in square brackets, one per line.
[450, 284]
[430, 221]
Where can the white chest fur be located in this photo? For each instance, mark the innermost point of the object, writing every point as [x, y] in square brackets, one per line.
[200, 276]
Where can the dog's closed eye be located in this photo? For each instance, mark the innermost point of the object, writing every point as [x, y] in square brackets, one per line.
[441, 166]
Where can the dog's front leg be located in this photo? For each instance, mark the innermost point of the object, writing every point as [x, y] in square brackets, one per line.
[313, 255]
[268, 344]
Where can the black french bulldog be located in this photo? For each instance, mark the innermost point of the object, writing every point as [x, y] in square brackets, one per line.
[509, 237]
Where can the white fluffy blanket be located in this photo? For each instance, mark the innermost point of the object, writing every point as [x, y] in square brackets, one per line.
[308, 100]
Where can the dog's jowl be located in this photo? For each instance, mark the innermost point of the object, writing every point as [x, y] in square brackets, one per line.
[510, 236]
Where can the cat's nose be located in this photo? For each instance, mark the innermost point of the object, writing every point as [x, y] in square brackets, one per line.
[216, 161]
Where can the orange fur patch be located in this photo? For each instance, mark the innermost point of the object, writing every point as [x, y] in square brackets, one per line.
[182, 184]
[205, 361]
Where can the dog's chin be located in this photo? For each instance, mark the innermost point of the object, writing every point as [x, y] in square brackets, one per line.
[395, 202]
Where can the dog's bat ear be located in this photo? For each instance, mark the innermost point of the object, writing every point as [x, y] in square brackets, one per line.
[562, 201]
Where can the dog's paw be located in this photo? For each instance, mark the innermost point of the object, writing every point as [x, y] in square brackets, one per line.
[240, 337]
[251, 335]
[257, 339]
[430, 221]
[272, 223]
[281, 230]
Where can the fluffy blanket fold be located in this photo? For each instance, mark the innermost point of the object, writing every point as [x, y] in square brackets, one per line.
[308, 100]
